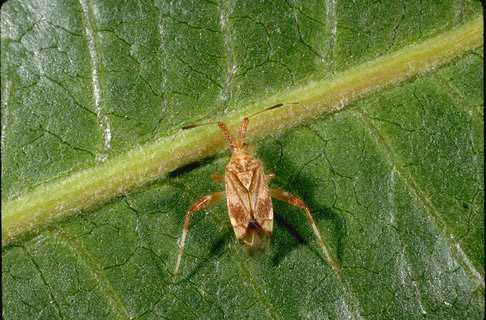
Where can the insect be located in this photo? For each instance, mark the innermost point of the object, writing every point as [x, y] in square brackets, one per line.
[249, 199]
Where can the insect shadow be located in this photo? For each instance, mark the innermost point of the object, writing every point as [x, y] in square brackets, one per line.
[191, 167]
[292, 220]
[217, 249]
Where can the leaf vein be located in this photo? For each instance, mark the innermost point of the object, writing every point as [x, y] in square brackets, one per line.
[103, 121]
[44, 281]
[332, 26]
[270, 309]
[405, 264]
[5, 113]
[231, 65]
[141, 165]
[457, 97]
[95, 268]
[393, 159]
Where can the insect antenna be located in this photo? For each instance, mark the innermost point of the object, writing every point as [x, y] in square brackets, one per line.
[243, 129]
[227, 135]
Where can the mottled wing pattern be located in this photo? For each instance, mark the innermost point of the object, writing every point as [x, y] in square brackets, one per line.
[261, 201]
[238, 203]
[248, 198]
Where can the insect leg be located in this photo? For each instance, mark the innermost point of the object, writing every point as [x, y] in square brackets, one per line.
[293, 200]
[216, 177]
[198, 205]
[269, 177]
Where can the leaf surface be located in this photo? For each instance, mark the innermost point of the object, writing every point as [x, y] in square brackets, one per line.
[381, 134]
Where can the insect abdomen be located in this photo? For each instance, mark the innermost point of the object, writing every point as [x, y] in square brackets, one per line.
[256, 238]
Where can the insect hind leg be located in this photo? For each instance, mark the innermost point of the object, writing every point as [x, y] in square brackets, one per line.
[200, 204]
[295, 201]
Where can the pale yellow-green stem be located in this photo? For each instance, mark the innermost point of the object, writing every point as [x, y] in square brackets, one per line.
[92, 186]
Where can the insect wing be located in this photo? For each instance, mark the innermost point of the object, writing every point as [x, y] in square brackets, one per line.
[261, 201]
[238, 204]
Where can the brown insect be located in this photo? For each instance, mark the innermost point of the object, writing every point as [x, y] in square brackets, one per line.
[248, 197]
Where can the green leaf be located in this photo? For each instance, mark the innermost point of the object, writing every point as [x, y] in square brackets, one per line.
[380, 132]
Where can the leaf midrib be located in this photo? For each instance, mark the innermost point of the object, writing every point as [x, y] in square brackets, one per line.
[87, 188]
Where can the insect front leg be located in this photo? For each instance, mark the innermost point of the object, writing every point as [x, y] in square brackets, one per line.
[269, 177]
[216, 177]
[200, 204]
[293, 200]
